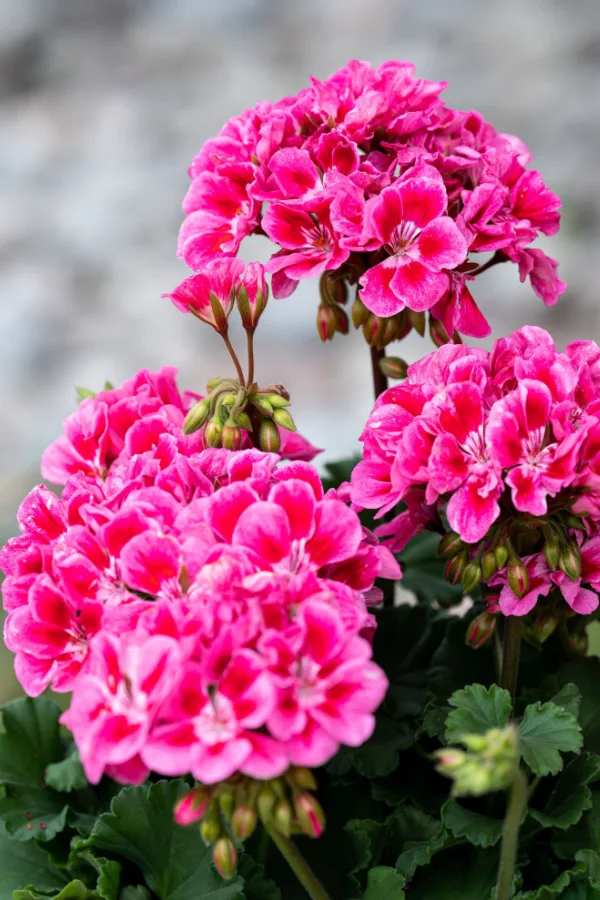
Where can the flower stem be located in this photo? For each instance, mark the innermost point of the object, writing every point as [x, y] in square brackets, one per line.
[297, 864]
[234, 357]
[498, 257]
[517, 803]
[380, 382]
[250, 346]
[513, 628]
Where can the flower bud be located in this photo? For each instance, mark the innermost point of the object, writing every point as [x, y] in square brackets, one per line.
[480, 630]
[501, 554]
[542, 626]
[265, 803]
[437, 332]
[263, 405]
[450, 545]
[570, 561]
[252, 295]
[326, 322]
[269, 438]
[388, 333]
[231, 436]
[518, 577]
[580, 643]
[332, 288]
[225, 857]
[372, 329]
[243, 822]
[417, 320]
[196, 417]
[471, 577]
[489, 565]
[552, 553]
[243, 420]
[342, 323]
[455, 567]
[192, 806]
[302, 777]
[450, 760]
[212, 433]
[284, 419]
[310, 815]
[226, 802]
[283, 817]
[393, 367]
[277, 401]
[210, 827]
[575, 522]
[359, 313]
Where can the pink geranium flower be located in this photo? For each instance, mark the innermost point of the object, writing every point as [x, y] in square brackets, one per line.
[409, 219]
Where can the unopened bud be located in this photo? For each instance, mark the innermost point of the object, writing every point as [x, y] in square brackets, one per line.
[226, 801]
[243, 420]
[332, 289]
[388, 333]
[489, 565]
[265, 803]
[210, 828]
[480, 630]
[231, 436]
[552, 553]
[192, 806]
[542, 626]
[471, 577]
[269, 438]
[310, 815]
[212, 433]
[243, 822]
[575, 522]
[580, 643]
[283, 817]
[284, 419]
[449, 760]
[277, 401]
[437, 332]
[570, 561]
[196, 417]
[225, 857]
[372, 329]
[393, 367]
[326, 322]
[501, 554]
[518, 578]
[342, 323]
[303, 778]
[359, 313]
[264, 405]
[455, 567]
[450, 545]
[252, 296]
[417, 320]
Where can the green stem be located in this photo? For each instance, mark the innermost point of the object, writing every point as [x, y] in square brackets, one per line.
[235, 359]
[298, 864]
[517, 804]
[511, 654]
[380, 382]
[250, 345]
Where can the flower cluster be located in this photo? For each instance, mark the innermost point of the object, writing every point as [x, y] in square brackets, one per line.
[369, 177]
[506, 445]
[207, 608]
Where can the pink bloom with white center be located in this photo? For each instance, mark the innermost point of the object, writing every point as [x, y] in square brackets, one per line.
[409, 219]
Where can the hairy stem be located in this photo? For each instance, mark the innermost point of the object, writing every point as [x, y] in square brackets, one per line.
[511, 654]
[250, 346]
[380, 382]
[235, 359]
[517, 804]
[298, 864]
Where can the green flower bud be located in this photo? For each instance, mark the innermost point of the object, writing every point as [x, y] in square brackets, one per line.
[393, 367]
[326, 322]
[212, 433]
[283, 817]
[309, 814]
[542, 626]
[231, 436]
[277, 401]
[437, 332]
[552, 553]
[455, 567]
[518, 578]
[501, 554]
[570, 561]
[243, 822]
[284, 419]
[359, 313]
[480, 630]
[302, 777]
[450, 545]
[489, 565]
[342, 323]
[488, 765]
[196, 417]
[417, 320]
[243, 420]
[269, 438]
[210, 827]
[226, 801]
[263, 405]
[471, 577]
[225, 857]
[265, 803]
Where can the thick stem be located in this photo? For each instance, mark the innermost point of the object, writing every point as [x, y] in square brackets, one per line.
[517, 804]
[298, 865]
[511, 654]
[250, 346]
[235, 359]
[380, 382]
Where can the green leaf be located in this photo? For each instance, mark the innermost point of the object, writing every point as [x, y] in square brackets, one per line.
[569, 698]
[454, 663]
[581, 882]
[584, 833]
[434, 721]
[384, 883]
[571, 796]
[423, 572]
[585, 673]
[256, 885]
[379, 755]
[135, 892]
[173, 860]
[477, 709]
[108, 873]
[471, 875]
[82, 393]
[339, 471]
[479, 830]
[20, 863]
[545, 732]
[423, 836]
[67, 775]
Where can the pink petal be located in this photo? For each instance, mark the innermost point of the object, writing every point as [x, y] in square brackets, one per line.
[337, 533]
[416, 286]
[219, 761]
[376, 292]
[297, 499]
[423, 198]
[148, 560]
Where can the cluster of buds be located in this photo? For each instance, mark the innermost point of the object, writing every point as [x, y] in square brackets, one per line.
[488, 763]
[236, 416]
[230, 812]
[332, 318]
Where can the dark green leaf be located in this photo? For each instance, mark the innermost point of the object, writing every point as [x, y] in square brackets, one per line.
[379, 755]
[22, 863]
[135, 892]
[384, 883]
[471, 875]
[174, 861]
[454, 664]
[581, 882]
[423, 572]
[585, 833]
[477, 709]
[422, 837]
[434, 721]
[571, 795]
[67, 775]
[479, 830]
[569, 698]
[256, 885]
[585, 673]
[545, 732]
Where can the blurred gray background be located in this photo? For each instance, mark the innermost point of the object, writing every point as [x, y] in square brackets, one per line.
[103, 103]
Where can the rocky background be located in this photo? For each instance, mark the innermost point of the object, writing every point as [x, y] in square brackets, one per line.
[103, 104]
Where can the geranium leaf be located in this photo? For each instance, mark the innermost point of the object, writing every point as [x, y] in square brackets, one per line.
[585, 673]
[422, 837]
[479, 830]
[569, 698]
[470, 876]
[21, 863]
[571, 796]
[384, 883]
[477, 709]
[256, 885]
[174, 861]
[545, 732]
[67, 775]
[585, 832]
